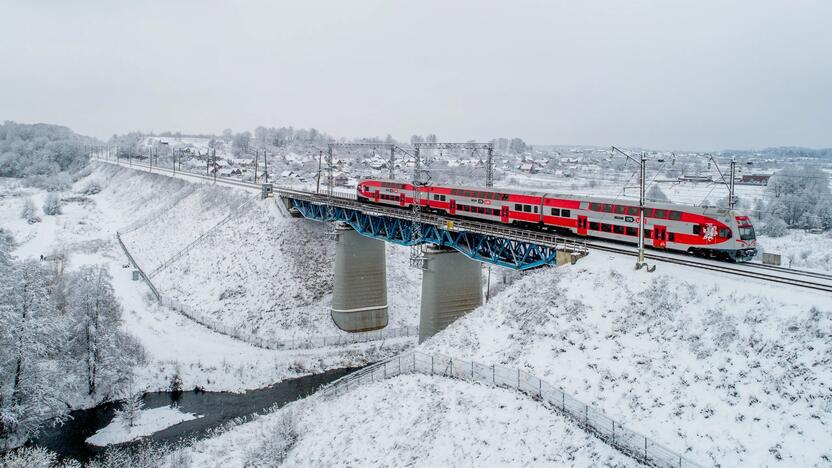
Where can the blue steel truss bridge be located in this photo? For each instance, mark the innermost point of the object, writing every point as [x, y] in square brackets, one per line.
[502, 245]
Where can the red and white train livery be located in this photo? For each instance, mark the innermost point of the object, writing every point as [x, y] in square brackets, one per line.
[709, 231]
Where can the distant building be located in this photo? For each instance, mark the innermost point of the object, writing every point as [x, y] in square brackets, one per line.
[755, 179]
[696, 178]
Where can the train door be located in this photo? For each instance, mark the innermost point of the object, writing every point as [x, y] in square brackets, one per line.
[582, 225]
[659, 237]
[376, 196]
[401, 198]
[504, 214]
[453, 207]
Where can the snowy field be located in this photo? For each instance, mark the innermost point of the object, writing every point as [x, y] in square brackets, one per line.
[729, 372]
[801, 250]
[413, 420]
[85, 234]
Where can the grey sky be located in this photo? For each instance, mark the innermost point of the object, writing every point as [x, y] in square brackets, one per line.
[661, 74]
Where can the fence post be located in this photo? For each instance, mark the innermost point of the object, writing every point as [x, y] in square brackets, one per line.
[613, 432]
[586, 415]
[400, 364]
[414, 361]
[472, 370]
[562, 400]
[645, 450]
[540, 388]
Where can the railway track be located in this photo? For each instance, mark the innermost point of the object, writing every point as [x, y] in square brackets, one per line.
[801, 278]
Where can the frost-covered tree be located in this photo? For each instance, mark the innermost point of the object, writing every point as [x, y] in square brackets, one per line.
[30, 333]
[800, 196]
[131, 409]
[52, 205]
[29, 212]
[656, 194]
[97, 339]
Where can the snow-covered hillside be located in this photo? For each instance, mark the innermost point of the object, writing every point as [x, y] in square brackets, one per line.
[261, 272]
[413, 420]
[730, 372]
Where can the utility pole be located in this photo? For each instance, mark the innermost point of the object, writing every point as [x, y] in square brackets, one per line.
[256, 157]
[642, 163]
[392, 163]
[320, 159]
[489, 172]
[173, 159]
[265, 166]
[215, 164]
[731, 198]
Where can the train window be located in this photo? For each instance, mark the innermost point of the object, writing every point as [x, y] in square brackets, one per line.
[632, 210]
[618, 229]
[675, 215]
[671, 237]
[565, 213]
[442, 197]
[555, 211]
[594, 226]
[481, 210]
[505, 197]
[607, 208]
[647, 233]
[725, 232]
[631, 231]
[606, 227]
[535, 208]
[518, 207]
[696, 229]
[661, 214]
[619, 209]
[595, 207]
[527, 208]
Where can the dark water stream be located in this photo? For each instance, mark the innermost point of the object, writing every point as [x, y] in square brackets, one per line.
[216, 409]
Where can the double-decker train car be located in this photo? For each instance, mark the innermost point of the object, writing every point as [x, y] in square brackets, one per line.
[706, 231]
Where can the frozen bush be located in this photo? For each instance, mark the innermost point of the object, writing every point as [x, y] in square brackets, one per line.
[92, 188]
[775, 227]
[29, 212]
[656, 194]
[34, 457]
[52, 205]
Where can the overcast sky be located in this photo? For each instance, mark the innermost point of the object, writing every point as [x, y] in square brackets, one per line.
[659, 74]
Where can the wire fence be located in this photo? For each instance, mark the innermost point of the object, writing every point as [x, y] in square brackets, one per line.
[308, 342]
[138, 268]
[639, 447]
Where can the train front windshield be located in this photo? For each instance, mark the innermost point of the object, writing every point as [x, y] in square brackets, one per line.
[747, 233]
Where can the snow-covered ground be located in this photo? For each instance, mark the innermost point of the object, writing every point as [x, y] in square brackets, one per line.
[148, 421]
[85, 234]
[414, 420]
[799, 249]
[262, 272]
[730, 372]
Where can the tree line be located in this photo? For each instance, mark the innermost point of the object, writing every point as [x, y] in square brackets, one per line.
[61, 342]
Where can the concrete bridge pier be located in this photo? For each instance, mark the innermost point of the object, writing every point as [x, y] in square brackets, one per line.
[451, 287]
[359, 299]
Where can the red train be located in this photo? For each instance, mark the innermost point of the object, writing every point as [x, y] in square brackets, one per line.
[707, 231]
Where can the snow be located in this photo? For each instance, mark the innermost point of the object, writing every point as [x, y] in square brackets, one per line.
[800, 250]
[728, 371]
[262, 273]
[416, 420]
[149, 421]
[85, 235]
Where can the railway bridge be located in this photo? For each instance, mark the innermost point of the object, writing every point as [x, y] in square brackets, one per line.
[448, 250]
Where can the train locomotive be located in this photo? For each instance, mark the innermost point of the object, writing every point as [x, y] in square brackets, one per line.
[704, 231]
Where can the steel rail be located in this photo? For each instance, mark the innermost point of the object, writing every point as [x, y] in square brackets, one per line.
[526, 235]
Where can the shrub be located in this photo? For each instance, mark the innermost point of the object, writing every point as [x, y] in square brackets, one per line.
[92, 188]
[775, 227]
[29, 212]
[52, 205]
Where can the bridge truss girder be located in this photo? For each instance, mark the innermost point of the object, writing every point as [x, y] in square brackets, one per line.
[510, 253]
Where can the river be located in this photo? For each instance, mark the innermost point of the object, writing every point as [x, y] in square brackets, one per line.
[216, 409]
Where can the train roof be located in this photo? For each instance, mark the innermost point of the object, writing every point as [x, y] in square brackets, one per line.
[705, 210]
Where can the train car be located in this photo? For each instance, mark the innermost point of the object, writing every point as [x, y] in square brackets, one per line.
[705, 231]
